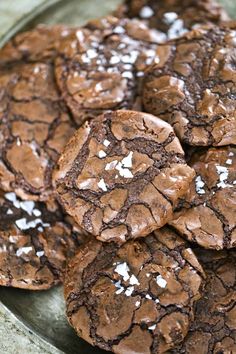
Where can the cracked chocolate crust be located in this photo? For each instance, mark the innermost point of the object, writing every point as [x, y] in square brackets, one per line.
[207, 216]
[101, 66]
[214, 328]
[134, 299]
[173, 17]
[121, 175]
[37, 45]
[34, 128]
[35, 243]
[193, 86]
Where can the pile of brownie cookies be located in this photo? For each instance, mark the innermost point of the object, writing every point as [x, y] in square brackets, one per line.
[118, 174]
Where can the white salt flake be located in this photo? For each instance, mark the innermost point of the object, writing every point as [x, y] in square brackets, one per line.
[106, 142]
[12, 239]
[46, 224]
[157, 301]
[40, 254]
[127, 75]
[22, 224]
[111, 165]
[119, 29]
[119, 291]
[199, 184]
[9, 212]
[231, 154]
[148, 297]
[229, 162]
[91, 53]
[123, 269]
[102, 185]
[148, 275]
[16, 204]
[137, 303]
[27, 206]
[152, 328]
[10, 196]
[146, 12]
[40, 229]
[161, 282]
[129, 291]
[114, 60]
[22, 250]
[127, 161]
[177, 29]
[133, 280]
[170, 17]
[124, 172]
[101, 154]
[37, 212]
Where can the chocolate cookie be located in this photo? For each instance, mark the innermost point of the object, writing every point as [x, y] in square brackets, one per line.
[174, 17]
[34, 244]
[121, 175]
[38, 44]
[133, 299]
[34, 127]
[208, 215]
[102, 64]
[214, 328]
[193, 86]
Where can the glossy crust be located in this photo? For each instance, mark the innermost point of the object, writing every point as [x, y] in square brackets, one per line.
[34, 128]
[208, 215]
[173, 17]
[133, 299]
[214, 328]
[101, 65]
[37, 45]
[121, 175]
[193, 86]
[35, 243]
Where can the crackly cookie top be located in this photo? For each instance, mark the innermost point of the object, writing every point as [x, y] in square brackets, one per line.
[208, 215]
[38, 44]
[101, 65]
[193, 86]
[35, 243]
[173, 17]
[214, 327]
[34, 127]
[134, 299]
[121, 175]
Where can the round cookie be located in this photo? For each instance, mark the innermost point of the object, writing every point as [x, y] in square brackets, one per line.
[193, 86]
[208, 213]
[101, 66]
[38, 44]
[214, 327]
[121, 175]
[134, 299]
[34, 128]
[173, 17]
[35, 243]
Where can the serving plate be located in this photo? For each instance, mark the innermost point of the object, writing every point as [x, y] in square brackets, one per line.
[43, 313]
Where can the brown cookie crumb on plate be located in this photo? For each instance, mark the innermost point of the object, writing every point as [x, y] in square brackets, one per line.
[134, 299]
[121, 175]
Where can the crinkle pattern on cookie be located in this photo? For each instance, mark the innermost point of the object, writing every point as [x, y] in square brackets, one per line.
[101, 66]
[35, 243]
[121, 175]
[214, 326]
[208, 215]
[34, 128]
[173, 17]
[38, 44]
[193, 86]
[134, 299]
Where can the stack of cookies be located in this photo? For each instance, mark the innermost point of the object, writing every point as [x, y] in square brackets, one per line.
[118, 174]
